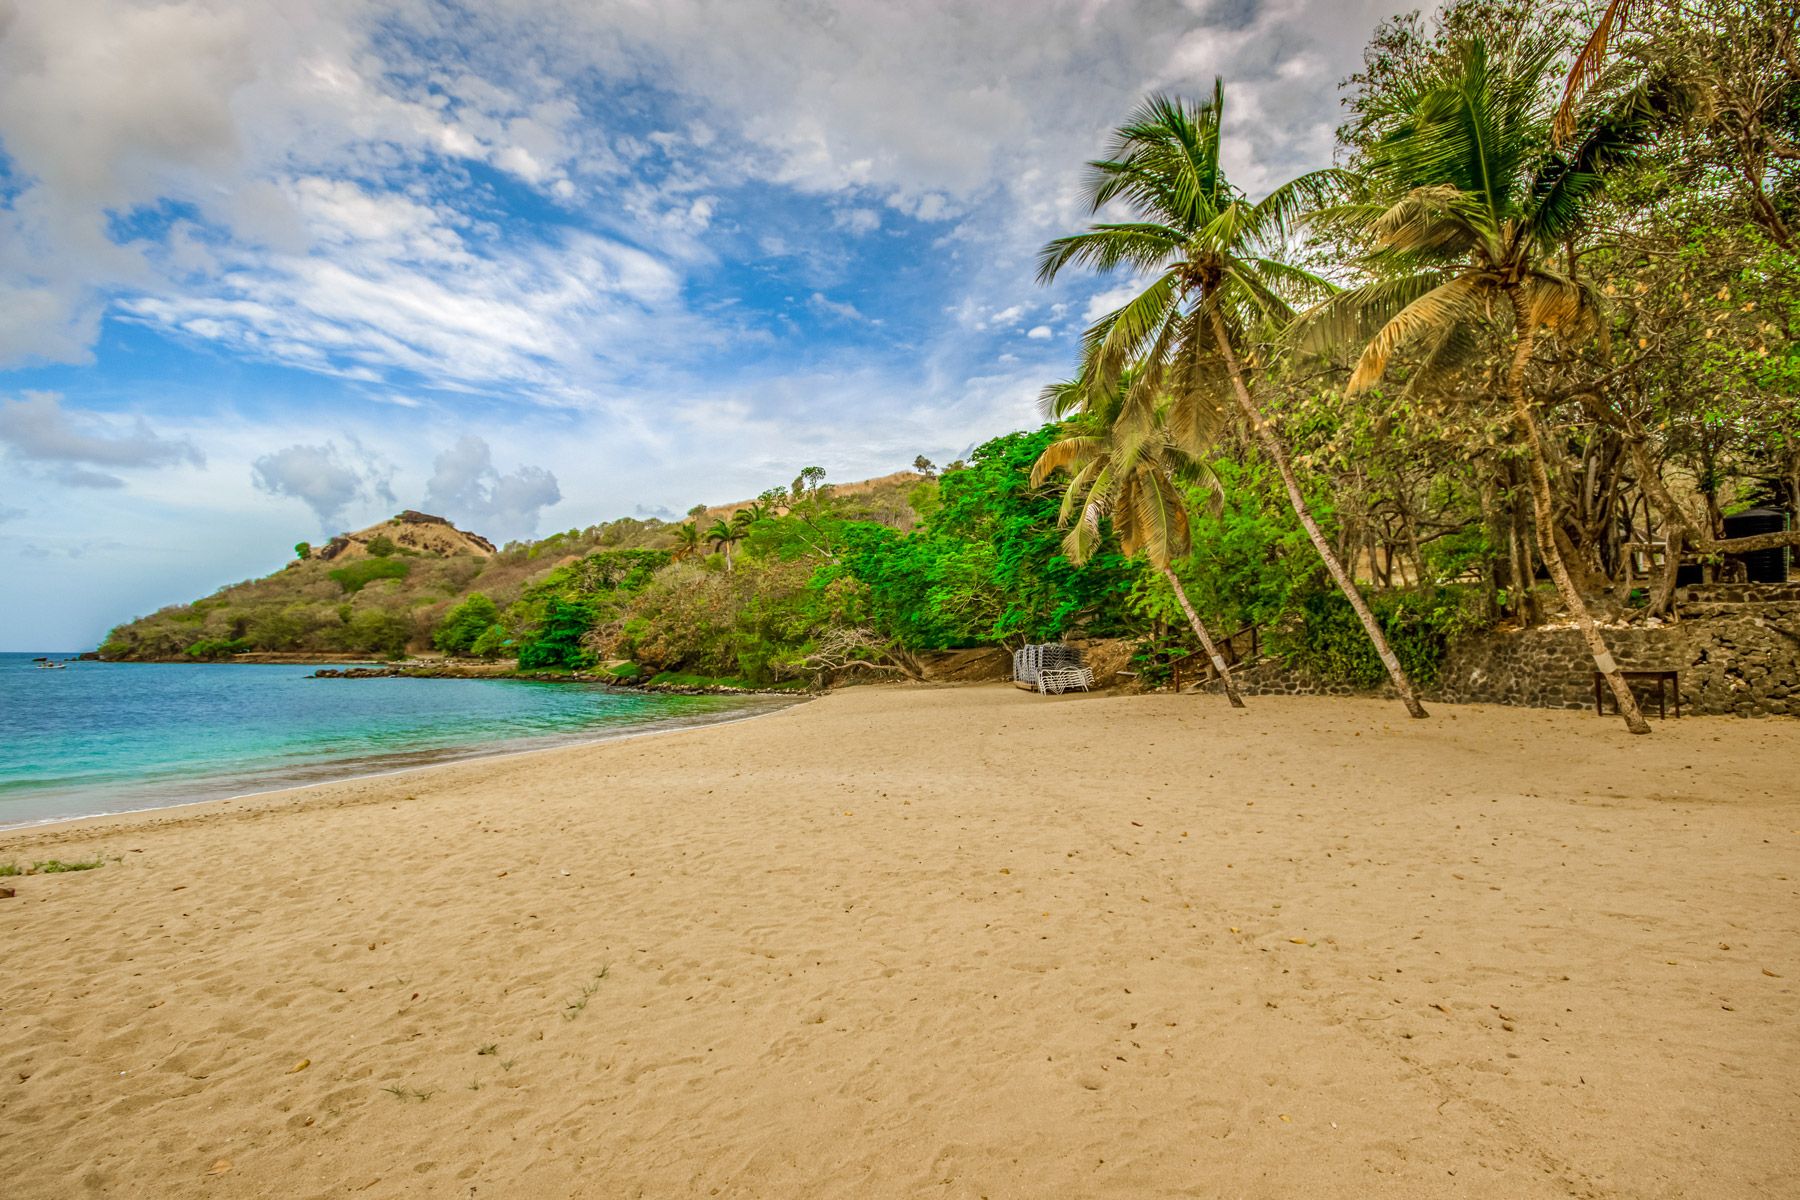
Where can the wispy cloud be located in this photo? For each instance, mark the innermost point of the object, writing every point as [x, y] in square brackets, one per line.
[37, 428]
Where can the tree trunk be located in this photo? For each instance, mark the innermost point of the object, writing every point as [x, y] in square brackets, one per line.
[1206, 642]
[1545, 510]
[1272, 447]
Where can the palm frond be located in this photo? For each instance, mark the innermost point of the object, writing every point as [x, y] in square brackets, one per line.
[1450, 350]
[1104, 247]
[1065, 454]
[1588, 64]
[1352, 316]
[1449, 302]
[1120, 336]
[1564, 306]
[1563, 186]
[1276, 215]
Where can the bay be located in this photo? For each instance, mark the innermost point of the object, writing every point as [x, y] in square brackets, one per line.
[114, 737]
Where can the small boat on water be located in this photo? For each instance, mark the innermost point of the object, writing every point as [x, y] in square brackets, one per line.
[44, 664]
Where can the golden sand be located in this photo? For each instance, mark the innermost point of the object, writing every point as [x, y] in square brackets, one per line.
[951, 942]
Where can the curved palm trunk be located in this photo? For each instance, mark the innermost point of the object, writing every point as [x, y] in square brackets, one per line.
[1272, 447]
[1545, 511]
[1206, 642]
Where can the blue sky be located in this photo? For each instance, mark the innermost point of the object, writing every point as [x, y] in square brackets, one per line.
[271, 270]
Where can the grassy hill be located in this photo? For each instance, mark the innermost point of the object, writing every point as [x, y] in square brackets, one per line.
[387, 590]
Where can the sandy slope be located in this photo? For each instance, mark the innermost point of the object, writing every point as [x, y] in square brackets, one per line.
[954, 942]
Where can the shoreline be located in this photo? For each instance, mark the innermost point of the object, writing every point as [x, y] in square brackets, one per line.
[456, 759]
[959, 940]
[338, 667]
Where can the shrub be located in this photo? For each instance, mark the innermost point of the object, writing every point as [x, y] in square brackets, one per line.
[465, 623]
[492, 642]
[377, 631]
[357, 575]
[381, 545]
[212, 648]
[1420, 627]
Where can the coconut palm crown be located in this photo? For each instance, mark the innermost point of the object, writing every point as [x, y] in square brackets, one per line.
[1212, 254]
[1118, 471]
[1468, 207]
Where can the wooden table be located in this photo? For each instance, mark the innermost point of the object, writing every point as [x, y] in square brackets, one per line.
[1670, 679]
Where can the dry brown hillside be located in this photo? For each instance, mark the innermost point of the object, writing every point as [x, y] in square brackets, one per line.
[411, 530]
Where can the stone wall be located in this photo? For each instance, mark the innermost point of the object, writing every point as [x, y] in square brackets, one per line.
[1741, 659]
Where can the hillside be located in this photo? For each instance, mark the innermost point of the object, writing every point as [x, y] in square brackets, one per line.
[386, 589]
[413, 531]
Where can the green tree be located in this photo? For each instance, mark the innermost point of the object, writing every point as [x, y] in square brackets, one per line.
[558, 640]
[1468, 212]
[1219, 282]
[302, 549]
[465, 623]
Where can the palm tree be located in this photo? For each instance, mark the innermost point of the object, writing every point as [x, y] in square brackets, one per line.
[1469, 215]
[1218, 279]
[687, 540]
[724, 536]
[1118, 472]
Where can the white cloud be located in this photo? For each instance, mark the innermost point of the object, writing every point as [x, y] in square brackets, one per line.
[253, 112]
[36, 428]
[1112, 299]
[1039, 333]
[842, 310]
[466, 488]
[395, 285]
[328, 480]
[857, 221]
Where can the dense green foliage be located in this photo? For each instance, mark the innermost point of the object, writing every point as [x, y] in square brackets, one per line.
[988, 565]
[557, 639]
[464, 624]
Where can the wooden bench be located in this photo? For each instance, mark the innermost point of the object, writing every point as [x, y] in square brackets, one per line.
[1665, 681]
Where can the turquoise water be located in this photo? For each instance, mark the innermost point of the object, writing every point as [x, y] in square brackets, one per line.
[114, 737]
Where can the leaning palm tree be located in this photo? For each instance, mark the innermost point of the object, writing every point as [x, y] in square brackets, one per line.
[723, 537]
[1469, 216]
[1127, 474]
[1218, 281]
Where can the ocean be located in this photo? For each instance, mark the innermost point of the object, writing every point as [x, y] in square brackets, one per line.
[116, 737]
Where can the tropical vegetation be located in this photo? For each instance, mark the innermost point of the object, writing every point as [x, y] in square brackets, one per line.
[1516, 358]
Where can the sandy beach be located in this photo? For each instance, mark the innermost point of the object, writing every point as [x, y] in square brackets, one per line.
[946, 942]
